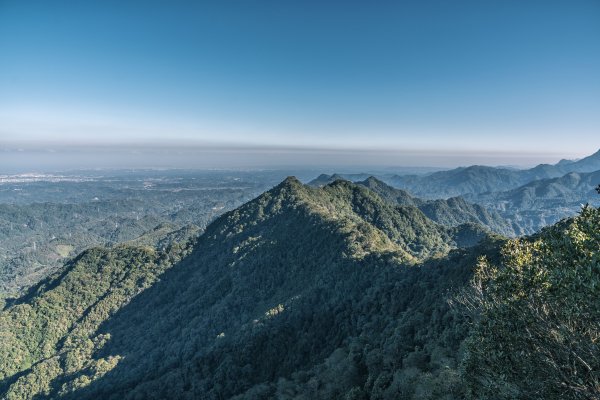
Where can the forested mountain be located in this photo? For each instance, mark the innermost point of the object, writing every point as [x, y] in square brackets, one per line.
[50, 330]
[507, 201]
[547, 193]
[302, 291]
[449, 212]
[35, 239]
[479, 179]
[46, 219]
[537, 316]
[325, 179]
[315, 293]
[543, 202]
[590, 163]
[460, 181]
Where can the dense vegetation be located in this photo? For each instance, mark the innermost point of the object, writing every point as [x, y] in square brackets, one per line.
[43, 223]
[538, 316]
[300, 292]
[543, 202]
[50, 331]
[335, 292]
[37, 238]
[510, 202]
[450, 212]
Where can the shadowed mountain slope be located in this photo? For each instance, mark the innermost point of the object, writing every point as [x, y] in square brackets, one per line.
[48, 331]
[300, 292]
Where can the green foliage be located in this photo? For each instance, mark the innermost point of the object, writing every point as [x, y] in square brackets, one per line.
[543, 202]
[301, 293]
[538, 316]
[50, 331]
[449, 212]
[43, 224]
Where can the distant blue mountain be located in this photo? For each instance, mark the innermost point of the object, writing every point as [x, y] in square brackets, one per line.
[479, 179]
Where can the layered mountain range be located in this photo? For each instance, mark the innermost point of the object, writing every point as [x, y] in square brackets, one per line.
[335, 290]
[450, 212]
[479, 179]
[301, 293]
[516, 202]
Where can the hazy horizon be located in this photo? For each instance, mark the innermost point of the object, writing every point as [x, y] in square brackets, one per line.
[308, 84]
[49, 157]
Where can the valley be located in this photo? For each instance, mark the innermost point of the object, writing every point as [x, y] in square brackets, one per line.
[47, 218]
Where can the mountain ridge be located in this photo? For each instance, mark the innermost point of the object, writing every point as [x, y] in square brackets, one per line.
[269, 277]
[450, 212]
[479, 179]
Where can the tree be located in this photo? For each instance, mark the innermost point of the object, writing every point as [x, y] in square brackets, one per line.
[537, 330]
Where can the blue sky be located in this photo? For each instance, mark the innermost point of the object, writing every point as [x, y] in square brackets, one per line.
[433, 77]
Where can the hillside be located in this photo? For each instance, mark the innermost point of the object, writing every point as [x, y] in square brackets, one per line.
[544, 202]
[449, 212]
[46, 219]
[590, 163]
[391, 194]
[456, 182]
[548, 193]
[537, 316]
[325, 179]
[49, 331]
[300, 292]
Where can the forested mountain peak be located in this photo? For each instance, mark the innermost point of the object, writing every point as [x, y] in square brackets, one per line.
[387, 192]
[374, 183]
[303, 292]
[368, 222]
[325, 179]
[449, 212]
[290, 181]
[284, 273]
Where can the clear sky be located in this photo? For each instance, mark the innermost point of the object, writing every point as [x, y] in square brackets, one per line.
[514, 79]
